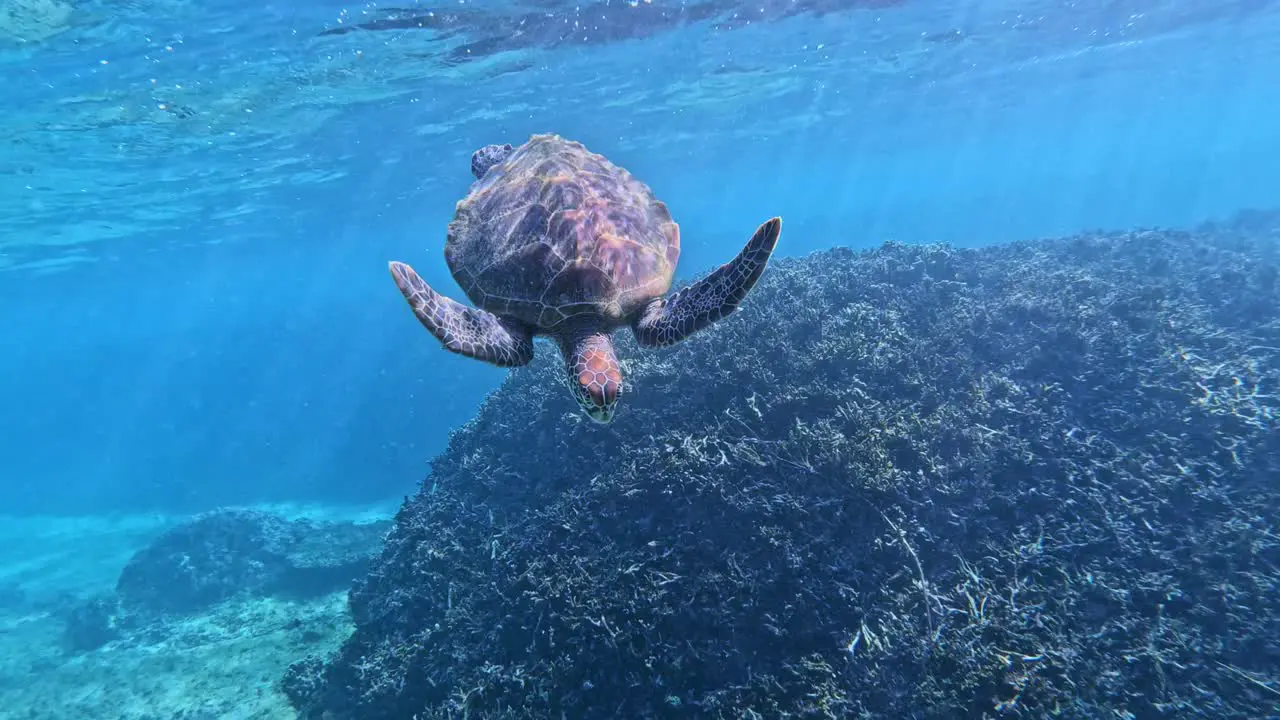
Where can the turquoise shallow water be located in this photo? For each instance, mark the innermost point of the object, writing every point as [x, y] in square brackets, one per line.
[197, 200]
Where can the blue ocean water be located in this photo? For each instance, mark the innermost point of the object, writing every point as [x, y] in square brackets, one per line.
[198, 200]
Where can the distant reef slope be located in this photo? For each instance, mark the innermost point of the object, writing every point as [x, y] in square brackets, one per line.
[1027, 480]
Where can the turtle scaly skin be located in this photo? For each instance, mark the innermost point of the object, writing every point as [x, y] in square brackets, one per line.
[555, 240]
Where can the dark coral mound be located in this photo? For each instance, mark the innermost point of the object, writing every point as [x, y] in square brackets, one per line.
[228, 553]
[91, 623]
[1030, 480]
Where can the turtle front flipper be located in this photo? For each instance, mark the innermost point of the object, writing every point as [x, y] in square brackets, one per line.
[669, 320]
[465, 330]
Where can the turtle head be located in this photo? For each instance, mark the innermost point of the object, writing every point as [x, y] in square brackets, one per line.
[488, 156]
[595, 379]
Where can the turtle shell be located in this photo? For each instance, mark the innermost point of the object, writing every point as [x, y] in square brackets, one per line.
[555, 232]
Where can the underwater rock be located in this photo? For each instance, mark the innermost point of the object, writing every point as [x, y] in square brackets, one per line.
[226, 553]
[91, 623]
[303, 678]
[1029, 479]
[31, 21]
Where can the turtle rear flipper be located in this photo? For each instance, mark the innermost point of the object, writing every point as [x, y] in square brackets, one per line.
[465, 330]
[669, 320]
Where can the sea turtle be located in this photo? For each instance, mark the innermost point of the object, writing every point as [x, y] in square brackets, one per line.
[557, 241]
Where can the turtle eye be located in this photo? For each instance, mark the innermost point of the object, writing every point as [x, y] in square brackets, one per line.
[600, 388]
[595, 399]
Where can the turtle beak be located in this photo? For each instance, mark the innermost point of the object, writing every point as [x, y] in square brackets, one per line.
[602, 416]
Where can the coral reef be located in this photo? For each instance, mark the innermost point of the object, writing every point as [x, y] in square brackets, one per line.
[70, 651]
[222, 663]
[304, 678]
[1035, 479]
[228, 553]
